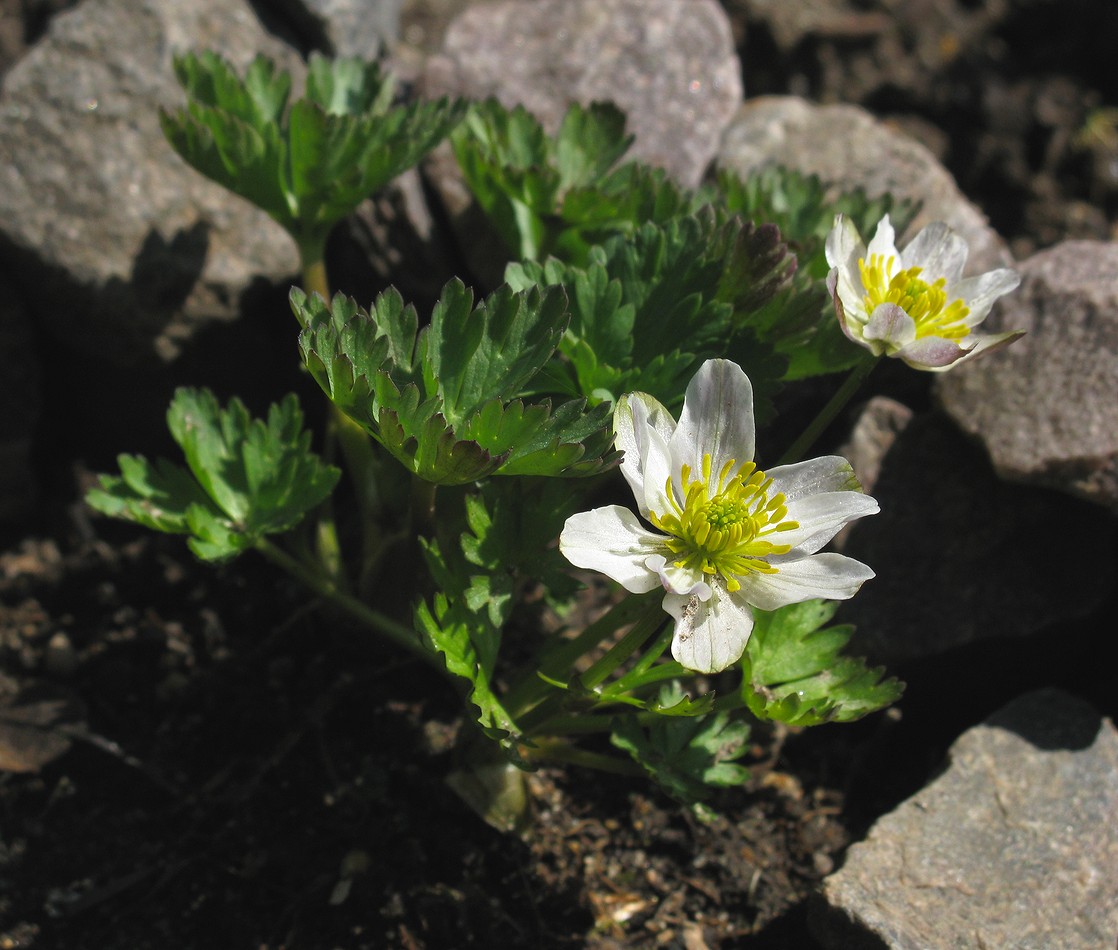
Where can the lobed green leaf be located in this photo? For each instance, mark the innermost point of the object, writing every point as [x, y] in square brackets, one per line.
[792, 670]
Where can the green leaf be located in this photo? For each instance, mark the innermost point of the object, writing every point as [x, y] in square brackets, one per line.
[792, 670]
[245, 479]
[157, 496]
[444, 400]
[492, 352]
[649, 307]
[686, 755]
[468, 643]
[559, 195]
[590, 142]
[312, 164]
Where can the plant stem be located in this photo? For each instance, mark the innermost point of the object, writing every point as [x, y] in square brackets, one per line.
[327, 588]
[624, 648]
[350, 438]
[530, 688]
[827, 414]
[557, 751]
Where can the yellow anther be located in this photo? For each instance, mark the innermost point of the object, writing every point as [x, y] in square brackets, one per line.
[925, 303]
[721, 526]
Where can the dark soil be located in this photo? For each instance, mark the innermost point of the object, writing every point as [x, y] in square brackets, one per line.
[245, 771]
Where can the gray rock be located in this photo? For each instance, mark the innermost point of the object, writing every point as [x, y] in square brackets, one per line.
[123, 249]
[361, 28]
[669, 64]
[1015, 845]
[879, 423]
[847, 147]
[956, 552]
[1046, 408]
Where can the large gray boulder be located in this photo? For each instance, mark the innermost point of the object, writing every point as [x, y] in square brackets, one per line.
[122, 249]
[848, 147]
[669, 64]
[960, 554]
[1015, 845]
[1046, 408]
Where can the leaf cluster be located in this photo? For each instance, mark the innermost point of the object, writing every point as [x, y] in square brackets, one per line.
[792, 671]
[311, 164]
[502, 536]
[648, 307]
[445, 401]
[244, 478]
[560, 195]
[686, 755]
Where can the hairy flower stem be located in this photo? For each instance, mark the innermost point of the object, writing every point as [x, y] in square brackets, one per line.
[327, 588]
[846, 391]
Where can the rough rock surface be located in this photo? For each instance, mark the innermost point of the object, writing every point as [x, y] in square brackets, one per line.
[121, 247]
[848, 147]
[1015, 845]
[348, 27]
[669, 64]
[955, 551]
[1046, 407]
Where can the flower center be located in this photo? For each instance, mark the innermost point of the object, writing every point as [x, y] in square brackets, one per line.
[724, 525]
[925, 303]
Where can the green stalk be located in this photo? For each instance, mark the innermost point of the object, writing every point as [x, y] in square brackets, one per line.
[327, 588]
[350, 438]
[572, 755]
[624, 648]
[827, 414]
[555, 664]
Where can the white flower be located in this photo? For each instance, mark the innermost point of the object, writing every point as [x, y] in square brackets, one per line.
[914, 304]
[730, 537]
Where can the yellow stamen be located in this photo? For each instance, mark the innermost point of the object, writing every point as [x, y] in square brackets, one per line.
[925, 303]
[723, 524]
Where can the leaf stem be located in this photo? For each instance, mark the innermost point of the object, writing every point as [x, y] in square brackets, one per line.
[624, 648]
[559, 751]
[327, 588]
[850, 386]
[555, 664]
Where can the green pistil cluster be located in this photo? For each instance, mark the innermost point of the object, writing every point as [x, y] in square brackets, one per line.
[925, 303]
[724, 524]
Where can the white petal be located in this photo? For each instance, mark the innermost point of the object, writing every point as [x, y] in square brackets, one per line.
[932, 353]
[979, 293]
[678, 580]
[890, 326]
[939, 251]
[884, 241]
[611, 540]
[821, 517]
[642, 427]
[844, 244]
[829, 576]
[824, 474]
[711, 635]
[984, 343]
[717, 418]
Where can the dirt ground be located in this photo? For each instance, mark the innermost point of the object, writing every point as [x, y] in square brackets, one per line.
[222, 765]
